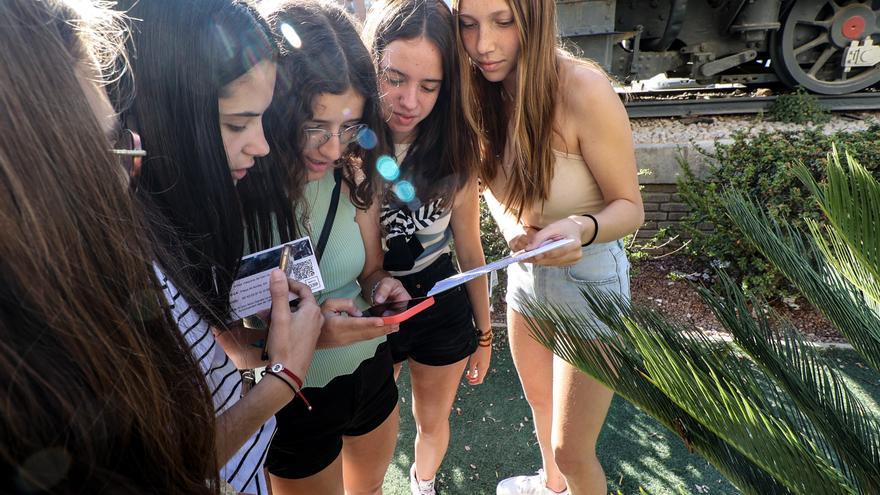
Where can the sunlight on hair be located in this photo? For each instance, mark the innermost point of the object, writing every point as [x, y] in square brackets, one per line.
[223, 36]
[388, 168]
[367, 139]
[89, 10]
[290, 35]
[405, 191]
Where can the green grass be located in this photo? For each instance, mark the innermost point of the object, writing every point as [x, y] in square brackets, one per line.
[493, 438]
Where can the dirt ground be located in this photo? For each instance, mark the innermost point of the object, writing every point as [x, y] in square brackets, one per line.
[675, 297]
[661, 282]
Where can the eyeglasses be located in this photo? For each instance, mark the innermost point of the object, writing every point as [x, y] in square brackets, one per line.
[316, 137]
[128, 149]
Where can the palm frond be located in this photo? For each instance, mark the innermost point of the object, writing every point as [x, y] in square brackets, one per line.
[800, 260]
[687, 373]
[850, 199]
[841, 257]
[828, 412]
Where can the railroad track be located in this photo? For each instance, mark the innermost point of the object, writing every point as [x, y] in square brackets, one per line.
[742, 105]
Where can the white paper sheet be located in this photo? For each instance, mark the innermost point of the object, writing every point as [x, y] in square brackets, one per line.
[469, 275]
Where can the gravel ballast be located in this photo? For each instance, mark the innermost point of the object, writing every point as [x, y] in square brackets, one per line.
[695, 129]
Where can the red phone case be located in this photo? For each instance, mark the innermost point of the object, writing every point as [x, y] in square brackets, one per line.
[409, 313]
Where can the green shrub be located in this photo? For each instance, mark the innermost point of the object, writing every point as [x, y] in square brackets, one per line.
[799, 107]
[759, 166]
[494, 245]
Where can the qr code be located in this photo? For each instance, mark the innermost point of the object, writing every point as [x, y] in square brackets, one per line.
[302, 270]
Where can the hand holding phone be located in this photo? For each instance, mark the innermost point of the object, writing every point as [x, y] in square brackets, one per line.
[397, 312]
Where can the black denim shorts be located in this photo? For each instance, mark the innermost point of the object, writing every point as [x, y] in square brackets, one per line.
[306, 442]
[442, 334]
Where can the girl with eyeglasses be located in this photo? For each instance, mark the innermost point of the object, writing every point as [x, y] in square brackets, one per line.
[204, 74]
[413, 48]
[99, 391]
[558, 163]
[327, 136]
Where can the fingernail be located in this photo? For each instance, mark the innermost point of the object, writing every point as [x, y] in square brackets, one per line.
[276, 275]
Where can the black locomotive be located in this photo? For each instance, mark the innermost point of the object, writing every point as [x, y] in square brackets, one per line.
[825, 46]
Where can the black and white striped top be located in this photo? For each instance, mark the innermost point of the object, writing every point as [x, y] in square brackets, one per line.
[244, 471]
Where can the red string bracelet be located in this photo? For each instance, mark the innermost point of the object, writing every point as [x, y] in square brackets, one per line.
[279, 368]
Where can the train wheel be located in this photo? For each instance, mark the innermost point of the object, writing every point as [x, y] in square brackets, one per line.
[810, 47]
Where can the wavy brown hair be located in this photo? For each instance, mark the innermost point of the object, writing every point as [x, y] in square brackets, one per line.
[531, 112]
[99, 393]
[445, 154]
[330, 59]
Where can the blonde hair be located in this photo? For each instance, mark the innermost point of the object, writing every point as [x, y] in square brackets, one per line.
[531, 116]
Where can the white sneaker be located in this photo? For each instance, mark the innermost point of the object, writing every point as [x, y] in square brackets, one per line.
[527, 485]
[419, 487]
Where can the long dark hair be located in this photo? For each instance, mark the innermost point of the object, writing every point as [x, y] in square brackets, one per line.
[330, 59]
[184, 52]
[98, 392]
[445, 153]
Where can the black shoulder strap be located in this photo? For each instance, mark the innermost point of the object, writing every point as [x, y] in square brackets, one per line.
[331, 214]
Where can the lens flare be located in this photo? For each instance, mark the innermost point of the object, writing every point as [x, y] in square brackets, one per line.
[290, 35]
[388, 168]
[367, 139]
[405, 191]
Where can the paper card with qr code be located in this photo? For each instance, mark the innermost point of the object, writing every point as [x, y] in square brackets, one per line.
[250, 291]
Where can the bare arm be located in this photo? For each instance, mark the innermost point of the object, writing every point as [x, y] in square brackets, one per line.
[343, 323]
[291, 342]
[465, 222]
[516, 234]
[605, 141]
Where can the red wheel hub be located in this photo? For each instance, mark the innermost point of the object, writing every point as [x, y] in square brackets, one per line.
[854, 27]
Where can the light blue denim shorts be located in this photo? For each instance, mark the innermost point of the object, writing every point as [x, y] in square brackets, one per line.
[602, 266]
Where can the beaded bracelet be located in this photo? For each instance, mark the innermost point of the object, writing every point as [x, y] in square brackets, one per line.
[485, 338]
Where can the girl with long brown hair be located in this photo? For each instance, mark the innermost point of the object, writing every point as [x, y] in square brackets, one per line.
[326, 131]
[99, 392]
[413, 48]
[558, 163]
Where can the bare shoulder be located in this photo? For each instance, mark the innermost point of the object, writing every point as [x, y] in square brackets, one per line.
[467, 193]
[586, 92]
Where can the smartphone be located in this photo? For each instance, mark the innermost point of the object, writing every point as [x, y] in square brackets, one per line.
[399, 311]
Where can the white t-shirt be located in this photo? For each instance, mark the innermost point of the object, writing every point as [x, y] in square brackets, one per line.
[244, 471]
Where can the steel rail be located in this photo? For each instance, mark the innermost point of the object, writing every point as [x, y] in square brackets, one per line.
[742, 105]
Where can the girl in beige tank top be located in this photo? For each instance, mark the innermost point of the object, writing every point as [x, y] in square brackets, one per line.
[537, 99]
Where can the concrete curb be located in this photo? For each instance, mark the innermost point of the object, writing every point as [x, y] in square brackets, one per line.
[663, 159]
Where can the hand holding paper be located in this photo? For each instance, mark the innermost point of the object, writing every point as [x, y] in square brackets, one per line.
[569, 254]
[469, 275]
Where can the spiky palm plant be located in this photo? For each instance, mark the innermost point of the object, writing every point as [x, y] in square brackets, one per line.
[765, 409]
